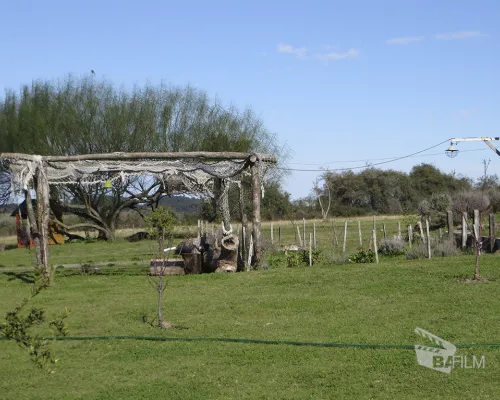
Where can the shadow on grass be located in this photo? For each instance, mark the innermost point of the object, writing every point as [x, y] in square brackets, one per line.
[25, 276]
[109, 270]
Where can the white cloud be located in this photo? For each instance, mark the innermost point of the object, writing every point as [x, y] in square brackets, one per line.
[299, 52]
[405, 40]
[351, 53]
[458, 35]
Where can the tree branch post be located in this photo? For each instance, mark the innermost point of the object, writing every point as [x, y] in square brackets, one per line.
[256, 196]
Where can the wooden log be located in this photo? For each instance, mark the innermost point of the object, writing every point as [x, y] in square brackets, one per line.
[492, 232]
[451, 236]
[228, 259]
[428, 238]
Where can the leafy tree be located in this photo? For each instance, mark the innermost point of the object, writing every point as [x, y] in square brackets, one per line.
[88, 115]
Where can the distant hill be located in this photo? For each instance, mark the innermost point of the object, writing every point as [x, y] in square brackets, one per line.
[182, 204]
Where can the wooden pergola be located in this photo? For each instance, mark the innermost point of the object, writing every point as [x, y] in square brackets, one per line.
[40, 172]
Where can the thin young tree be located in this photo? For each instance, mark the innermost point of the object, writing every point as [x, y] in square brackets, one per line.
[161, 224]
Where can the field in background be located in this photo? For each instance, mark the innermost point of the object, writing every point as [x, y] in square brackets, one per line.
[284, 233]
[350, 304]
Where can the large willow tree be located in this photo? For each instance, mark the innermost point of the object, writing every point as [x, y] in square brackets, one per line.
[88, 115]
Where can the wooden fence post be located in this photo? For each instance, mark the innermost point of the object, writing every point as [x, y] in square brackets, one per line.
[421, 232]
[492, 233]
[279, 235]
[360, 236]
[428, 238]
[374, 234]
[385, 230]
[272, 233]
[451, 235]
[300, 238]
[310, 249]
[410, 235]
[399, 230]
[314, 236]
[477, 227]
[345, 236]
[464, 230]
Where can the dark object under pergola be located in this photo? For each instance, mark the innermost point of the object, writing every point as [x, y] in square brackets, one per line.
[202, 173]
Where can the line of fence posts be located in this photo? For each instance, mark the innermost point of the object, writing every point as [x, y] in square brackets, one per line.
[424, 234]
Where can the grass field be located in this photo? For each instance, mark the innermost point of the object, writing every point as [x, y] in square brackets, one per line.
[348, 303]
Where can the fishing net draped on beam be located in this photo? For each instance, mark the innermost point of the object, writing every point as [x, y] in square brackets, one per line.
[193, 173]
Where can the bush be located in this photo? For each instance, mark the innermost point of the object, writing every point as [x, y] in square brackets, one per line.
[293, 259]
[316, 256]
[439, 248]
[391, 247]
[362, 257]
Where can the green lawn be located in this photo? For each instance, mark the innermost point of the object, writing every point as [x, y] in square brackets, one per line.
[357, 304]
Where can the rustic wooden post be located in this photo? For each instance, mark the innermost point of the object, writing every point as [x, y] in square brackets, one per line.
[279, 235]
[410, 235]
[199, 229]
[451, 235]
[250, 253]
[243, 247]
[256, 195]
[421, 231]
[374, 224]
[399, 230]
[428, 238]
[360, 235]
[314, 237]
[464, 230]
[335, 239]
[345, 236]
[43, 216]
[374, 233]
[272, 233]
[477, 227]
[33, 228]
[371, 241]
[385, 231]
[310, 249]
[492, 232]
[300, 238]
[304, 231]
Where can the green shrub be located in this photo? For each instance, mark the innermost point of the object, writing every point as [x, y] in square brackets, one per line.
[439, 248]
[293, 259]
[362, 257]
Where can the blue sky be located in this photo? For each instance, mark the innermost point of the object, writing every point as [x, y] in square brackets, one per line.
[337, 81]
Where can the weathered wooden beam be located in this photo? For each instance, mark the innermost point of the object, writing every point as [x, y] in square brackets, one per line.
[202, 155]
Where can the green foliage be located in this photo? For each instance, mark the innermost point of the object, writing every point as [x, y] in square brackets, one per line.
[17, 327]
[391, 247]
[161, 225]
[317, 256]
[362, 257]
[293, 259]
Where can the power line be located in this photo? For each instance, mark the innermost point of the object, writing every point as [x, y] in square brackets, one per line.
[369, 165]
[377, 159]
